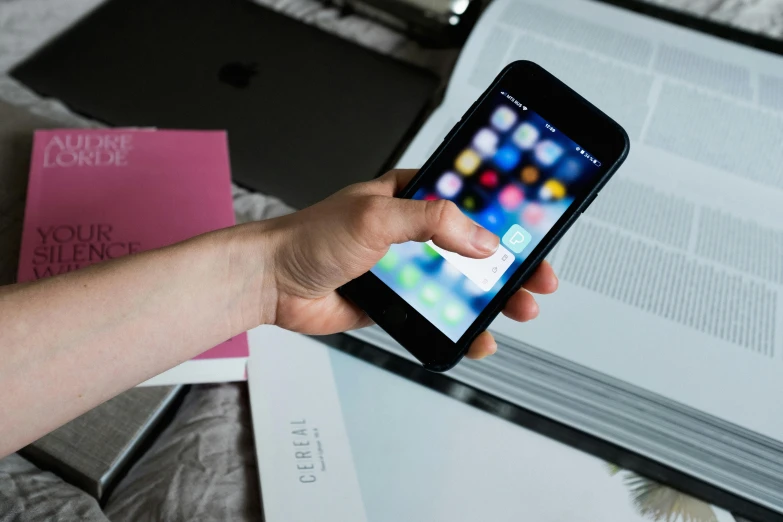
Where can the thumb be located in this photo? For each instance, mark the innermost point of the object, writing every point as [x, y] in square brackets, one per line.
[443, 223]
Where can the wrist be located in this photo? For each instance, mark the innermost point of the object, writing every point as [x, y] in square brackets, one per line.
[251, 275]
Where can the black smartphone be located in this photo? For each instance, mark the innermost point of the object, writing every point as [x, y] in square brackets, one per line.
[524, 161]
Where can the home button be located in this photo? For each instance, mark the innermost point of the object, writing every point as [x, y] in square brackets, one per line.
[395, 316]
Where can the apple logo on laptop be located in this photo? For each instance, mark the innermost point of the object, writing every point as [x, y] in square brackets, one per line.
[237, 74]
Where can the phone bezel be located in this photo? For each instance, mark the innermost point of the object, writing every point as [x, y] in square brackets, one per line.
[569, 113]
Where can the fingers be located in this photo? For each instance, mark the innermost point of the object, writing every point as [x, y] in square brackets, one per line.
[442, 222]
[543, 280]
[521, 307]
[484, 345]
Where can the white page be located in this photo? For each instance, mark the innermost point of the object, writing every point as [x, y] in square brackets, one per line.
[396, 451]
[673, 280]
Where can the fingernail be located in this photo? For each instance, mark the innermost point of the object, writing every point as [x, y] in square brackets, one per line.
[484, 240]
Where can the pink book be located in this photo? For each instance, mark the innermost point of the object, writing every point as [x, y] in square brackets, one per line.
[100, 194]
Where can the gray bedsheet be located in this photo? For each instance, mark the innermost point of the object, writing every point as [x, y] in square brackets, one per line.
[28, 494]
[202, 467]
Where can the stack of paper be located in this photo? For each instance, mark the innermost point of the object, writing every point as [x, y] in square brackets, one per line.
[340, 440]
[666, 336]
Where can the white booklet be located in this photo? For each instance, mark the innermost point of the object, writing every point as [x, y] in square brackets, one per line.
[341, 440]
[666, 335]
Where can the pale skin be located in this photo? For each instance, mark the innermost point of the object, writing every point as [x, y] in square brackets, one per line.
[71, 342]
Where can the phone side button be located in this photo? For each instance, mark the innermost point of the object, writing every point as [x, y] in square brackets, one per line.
[589, 202]
[395, 316]
[453, 131]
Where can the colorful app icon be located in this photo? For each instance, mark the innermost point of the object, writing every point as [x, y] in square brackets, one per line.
[430, 294]
[569, 170]
[503, 118]
[516, 239]
[453, 313]
[510, 198]
[467, 162]
[430, 197]
[525, 136]
[449, 185]
[485, 142]
[529, 175]
[489, 179]
[532, 214]
[548, 152]
[507, 157]
[389, 261]
[552, 189]
[429, 252]
[409, 277]
[471, 201]
[490, 219]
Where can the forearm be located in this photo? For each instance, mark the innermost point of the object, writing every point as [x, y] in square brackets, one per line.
[71, 342]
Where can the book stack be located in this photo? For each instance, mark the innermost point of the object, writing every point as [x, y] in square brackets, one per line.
[93, 195]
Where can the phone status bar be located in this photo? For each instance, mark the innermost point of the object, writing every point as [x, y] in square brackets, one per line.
[589, 157]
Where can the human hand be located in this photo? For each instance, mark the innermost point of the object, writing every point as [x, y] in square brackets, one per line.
[313, 252]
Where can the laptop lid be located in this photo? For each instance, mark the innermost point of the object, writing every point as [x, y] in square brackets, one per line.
[307, 112]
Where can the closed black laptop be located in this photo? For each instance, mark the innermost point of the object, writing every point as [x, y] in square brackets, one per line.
[307, 112]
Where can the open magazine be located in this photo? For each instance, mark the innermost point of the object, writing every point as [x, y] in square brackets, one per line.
[341, 440]
[666, 335]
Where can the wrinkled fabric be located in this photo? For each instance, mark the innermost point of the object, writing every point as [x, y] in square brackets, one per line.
[29, 494]
[202, 467]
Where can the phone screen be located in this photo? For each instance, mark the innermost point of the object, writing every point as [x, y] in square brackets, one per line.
[512, 172]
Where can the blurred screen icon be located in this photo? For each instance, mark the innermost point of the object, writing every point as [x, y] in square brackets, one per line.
[490, 218]
[569, 170]
[472, 201]
[409, 277]
[467, 162]
[489, 179]
[529, 175]
[485, 142]
[516, 238]
[449, 185]
[533, 214]
[510, 197]
[548, 152]
[525, 136]
[507, 157]
[503, 118]
[430, 294]
[453, 313]
[552, 189]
